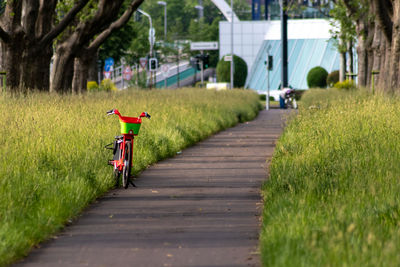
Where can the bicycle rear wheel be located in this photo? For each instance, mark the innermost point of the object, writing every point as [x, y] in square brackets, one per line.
[117, 174]
[126, 173]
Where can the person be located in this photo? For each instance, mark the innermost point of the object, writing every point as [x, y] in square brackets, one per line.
[282, 96]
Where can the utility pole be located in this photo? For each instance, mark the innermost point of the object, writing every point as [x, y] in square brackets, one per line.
[232, 64]
[151, 40]
[284, 39]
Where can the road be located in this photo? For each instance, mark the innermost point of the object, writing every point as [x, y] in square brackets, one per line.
[200, 208]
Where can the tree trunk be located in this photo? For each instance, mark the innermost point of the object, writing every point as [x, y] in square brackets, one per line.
[395, 50]
[61, 72]
[342, 69]
[93, 68]
[362, 62]
[350, 62]
[377, 45]
[82, 66]
[11, 64]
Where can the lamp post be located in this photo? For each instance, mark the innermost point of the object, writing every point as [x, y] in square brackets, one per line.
[163, 3]
[151, 40]
[232, 66]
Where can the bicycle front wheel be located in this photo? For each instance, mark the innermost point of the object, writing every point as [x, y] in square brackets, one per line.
[126, 173]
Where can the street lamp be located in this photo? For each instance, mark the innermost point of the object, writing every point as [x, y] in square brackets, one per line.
[151, 40]
[151, 31]
[163, 3]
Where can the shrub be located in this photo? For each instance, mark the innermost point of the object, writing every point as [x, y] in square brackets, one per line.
[316, 77]
[107, 85]
[345, 85]
[224, 71]
[332, 78]
[92, 86]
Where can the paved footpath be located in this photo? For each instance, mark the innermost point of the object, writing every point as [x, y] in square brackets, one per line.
[200, 208]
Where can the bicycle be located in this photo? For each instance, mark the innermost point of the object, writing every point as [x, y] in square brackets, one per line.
[123, 145]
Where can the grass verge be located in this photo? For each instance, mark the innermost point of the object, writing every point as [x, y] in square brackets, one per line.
[54, 163]
[333, 197]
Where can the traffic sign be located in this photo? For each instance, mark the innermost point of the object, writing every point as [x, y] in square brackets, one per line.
[107, 74]
[143, 62]
[165, 70]
[108, 63]
[204, 46]
[127, 74]
[228, 58]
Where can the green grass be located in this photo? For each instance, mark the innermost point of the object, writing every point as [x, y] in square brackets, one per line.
[53, 161]
[333, 197]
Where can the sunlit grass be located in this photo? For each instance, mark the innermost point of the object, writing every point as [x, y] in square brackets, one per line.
[333, 197]
[53, 161]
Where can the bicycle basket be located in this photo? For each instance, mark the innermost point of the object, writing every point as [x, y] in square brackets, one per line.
[130, 125]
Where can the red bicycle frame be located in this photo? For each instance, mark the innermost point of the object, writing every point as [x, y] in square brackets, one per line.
[123, 146]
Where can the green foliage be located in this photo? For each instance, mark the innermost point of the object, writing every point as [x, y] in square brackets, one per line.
[332, 198]
[316, 77]
[345, 85]
[139, 80]
[56, 164]
[107, 85]
[332, 78]
[92, 86]
[343, 27]
[201, 31]
[240, 75]
[183, 24]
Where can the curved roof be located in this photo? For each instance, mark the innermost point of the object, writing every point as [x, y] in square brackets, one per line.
[226, 10]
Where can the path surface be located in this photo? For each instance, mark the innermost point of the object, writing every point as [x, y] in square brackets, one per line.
[200, 208]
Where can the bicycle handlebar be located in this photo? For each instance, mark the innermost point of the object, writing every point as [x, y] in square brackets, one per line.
[115, 111]
[145, 114]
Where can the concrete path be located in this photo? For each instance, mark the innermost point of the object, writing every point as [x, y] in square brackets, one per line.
[200, 208]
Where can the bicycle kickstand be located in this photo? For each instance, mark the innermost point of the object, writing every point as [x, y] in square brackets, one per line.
[130, 181]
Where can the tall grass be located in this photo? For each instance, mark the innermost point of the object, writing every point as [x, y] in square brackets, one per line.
[53, 161]
[333, 197]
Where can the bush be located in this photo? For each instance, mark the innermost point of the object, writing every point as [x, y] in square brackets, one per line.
[332, 78]
[316, 77]
[107, 85]
[345, 85]
[224, 71]
[92, 86]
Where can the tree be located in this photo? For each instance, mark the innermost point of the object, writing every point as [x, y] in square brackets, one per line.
[75, 50]
[27, 32]
[344, 33]
[378, 31]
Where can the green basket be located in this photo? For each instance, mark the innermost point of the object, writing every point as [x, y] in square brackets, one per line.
[130, 128]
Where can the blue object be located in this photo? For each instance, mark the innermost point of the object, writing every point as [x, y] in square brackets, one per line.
[282, 102]
[108, 63]
[256, 9]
